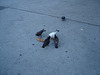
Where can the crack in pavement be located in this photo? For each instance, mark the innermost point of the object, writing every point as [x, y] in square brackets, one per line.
[2, 8]
[52, 16]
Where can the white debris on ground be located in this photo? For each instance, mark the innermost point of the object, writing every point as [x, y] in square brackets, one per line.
[81, 29]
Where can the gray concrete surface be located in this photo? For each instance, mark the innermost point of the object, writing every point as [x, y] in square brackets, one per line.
[79, 46]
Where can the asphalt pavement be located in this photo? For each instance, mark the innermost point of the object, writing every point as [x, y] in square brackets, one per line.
[78, 51]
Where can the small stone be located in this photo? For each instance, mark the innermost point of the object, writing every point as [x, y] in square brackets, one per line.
[33, 44]
[20, 54]
[66, 51]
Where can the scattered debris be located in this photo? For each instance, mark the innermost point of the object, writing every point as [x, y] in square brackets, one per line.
[39, 39]
[46, 42]
[40, 32]
[63, 18]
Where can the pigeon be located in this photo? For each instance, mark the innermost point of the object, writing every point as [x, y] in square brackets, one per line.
[56, 40]
[63, 18]
[52, 34]
[46, 42]
[40, 32]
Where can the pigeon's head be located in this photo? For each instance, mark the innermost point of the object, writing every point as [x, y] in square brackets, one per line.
[57, 30]
[44, 30]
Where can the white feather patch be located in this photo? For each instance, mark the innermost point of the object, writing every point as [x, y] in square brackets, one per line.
[52, 35]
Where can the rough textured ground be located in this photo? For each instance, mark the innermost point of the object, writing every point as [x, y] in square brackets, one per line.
[79, 46]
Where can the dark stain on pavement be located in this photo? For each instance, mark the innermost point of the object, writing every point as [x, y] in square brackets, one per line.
[19, 74]
[94, 38]
[67, 57]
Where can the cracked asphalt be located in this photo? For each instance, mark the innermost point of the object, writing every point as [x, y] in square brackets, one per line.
[79, 37]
